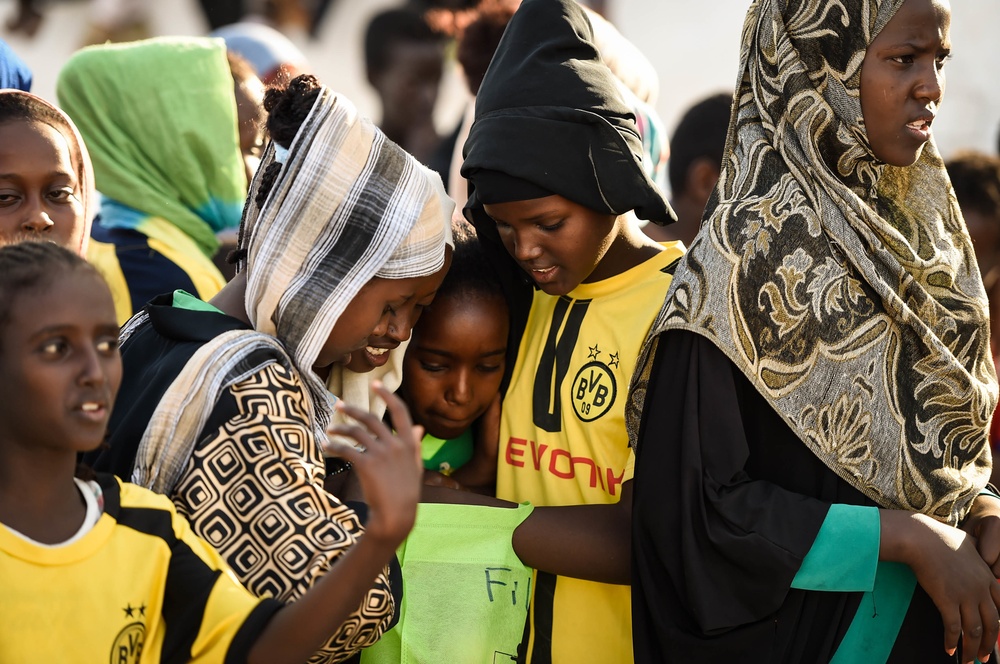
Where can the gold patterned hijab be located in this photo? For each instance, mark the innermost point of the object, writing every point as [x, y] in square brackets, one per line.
[845, 289]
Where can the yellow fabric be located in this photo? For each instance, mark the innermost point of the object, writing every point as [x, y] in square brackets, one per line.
[181, 250]
[101, 598]
[103, 257]
[587, 458]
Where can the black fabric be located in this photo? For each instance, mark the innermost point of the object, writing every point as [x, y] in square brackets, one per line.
[151, 360]
[494, 187]
[549, 111]
[147, 272]
[747, 499]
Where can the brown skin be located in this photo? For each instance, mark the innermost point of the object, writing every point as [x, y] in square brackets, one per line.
[39, 184]
[956, 567]
[60, 372]
[60, 352]
[902, 79]
[408, 90]
[561, 244]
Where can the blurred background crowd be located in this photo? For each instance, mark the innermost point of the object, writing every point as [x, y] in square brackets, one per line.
[692, 46]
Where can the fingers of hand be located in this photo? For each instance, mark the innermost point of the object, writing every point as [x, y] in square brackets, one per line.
[991, 629]
[972, 633]
[398, 411]
[952, 629]
[340, 448]
[376, 428]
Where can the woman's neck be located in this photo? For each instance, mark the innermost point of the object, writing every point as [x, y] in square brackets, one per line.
[631, 247]
[231, 300]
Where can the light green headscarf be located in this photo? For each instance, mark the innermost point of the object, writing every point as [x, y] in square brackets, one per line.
[159, 119]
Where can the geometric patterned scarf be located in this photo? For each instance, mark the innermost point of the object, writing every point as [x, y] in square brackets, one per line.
[347, 205]
[845, 289]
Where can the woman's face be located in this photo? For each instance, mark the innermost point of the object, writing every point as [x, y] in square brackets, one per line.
[902, 82]
[39, 184]
[454, 365]
[370, 314]
[375, 352]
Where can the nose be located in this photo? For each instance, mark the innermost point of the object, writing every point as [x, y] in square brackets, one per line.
[92, 369]
[931, 84]
[36, 219]
[524, 247]
[459, 391]
[382, 326]
[401, 323]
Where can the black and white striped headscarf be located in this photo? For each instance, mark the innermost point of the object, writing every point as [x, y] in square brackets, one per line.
[348, 205]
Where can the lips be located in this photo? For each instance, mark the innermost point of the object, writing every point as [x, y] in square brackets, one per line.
[94, 410]
[543, 275]
[921, 125]
[377, 355]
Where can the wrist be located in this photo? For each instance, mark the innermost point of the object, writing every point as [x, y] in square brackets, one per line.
[899, 533]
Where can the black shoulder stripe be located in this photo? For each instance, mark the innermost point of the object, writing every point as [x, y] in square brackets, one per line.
[670, 269]
[189, 582]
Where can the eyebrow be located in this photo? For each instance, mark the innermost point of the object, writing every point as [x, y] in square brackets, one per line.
[18, 176]
[444, 353]
[61, 328]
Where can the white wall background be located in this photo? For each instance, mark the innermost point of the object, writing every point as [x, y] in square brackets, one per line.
[694, 45]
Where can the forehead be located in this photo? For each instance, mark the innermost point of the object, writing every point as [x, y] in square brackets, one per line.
[62, 297]
[917, 20]
[485, 314]
[527, 209]
[21, 140]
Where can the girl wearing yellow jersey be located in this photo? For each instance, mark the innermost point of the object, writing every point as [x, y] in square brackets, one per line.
[555, 171]
[105, 570]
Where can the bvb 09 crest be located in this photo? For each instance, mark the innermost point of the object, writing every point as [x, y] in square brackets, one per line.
[594, 387]
[127, 648]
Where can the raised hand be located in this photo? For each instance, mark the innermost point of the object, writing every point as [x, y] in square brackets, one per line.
[387, 464]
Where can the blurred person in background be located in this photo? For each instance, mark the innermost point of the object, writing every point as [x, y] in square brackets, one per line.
[695, 160]
[14, 73]
[404, 62]
[166, 147]
[273, 56]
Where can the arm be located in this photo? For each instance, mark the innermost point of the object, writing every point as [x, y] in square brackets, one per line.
[589, 542]
[952, 572]
[480, 473]
[389, 469]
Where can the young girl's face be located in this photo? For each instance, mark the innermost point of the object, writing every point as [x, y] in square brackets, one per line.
[59, 364]
[39, 184]
[371, 312]
[559, 243]
[902, 82]
[453, 366]
[375, 352]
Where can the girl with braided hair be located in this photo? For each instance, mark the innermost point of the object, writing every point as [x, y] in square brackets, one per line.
[223, 404]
